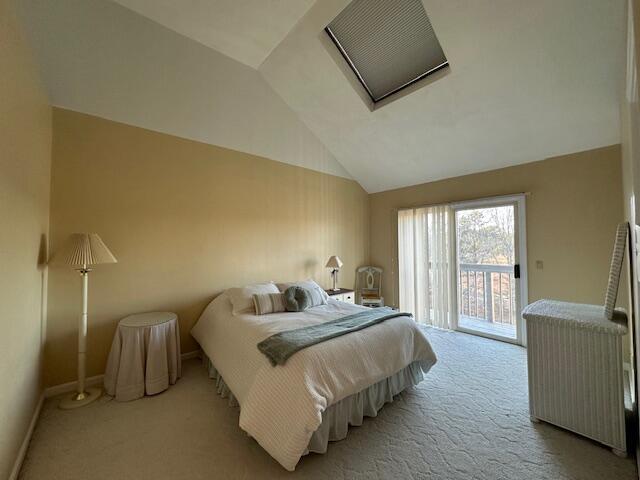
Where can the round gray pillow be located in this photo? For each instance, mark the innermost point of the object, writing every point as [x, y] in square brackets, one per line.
[297, 299]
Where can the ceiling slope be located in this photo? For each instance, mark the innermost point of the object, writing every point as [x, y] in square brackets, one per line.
[528, 80]
[246, 30]
[100, 58]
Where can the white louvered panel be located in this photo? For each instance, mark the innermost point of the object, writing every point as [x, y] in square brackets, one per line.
[576, 380]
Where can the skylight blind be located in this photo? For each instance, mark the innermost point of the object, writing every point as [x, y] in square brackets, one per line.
[388, 43]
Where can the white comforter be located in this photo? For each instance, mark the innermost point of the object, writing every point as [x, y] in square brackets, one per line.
[282, 406]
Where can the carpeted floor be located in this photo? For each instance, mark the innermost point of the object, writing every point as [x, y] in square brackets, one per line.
[467, 420]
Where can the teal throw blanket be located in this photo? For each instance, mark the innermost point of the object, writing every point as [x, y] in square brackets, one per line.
[279, 347]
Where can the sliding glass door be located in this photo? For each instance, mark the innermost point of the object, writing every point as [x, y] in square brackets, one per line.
[463, 266]
[490, 260]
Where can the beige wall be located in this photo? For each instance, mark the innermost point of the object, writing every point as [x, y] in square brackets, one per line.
[25, 159]
[572, 214]
[185, 220]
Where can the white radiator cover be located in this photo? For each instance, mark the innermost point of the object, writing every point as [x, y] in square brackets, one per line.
[575, 363]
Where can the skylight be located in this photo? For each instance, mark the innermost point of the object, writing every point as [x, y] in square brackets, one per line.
[389, 44]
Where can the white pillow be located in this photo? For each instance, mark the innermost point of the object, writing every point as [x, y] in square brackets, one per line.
[242, 297]
[308, 284]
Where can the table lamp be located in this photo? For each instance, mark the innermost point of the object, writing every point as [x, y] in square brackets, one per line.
[334, 264]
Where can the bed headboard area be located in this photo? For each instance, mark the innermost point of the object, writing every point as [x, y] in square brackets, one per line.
[186, 220]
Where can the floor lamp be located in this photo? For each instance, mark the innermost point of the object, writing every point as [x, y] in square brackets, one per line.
[82, 250]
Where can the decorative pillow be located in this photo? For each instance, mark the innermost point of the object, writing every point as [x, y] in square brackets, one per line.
[298, 299]
[242, 298]
[309, 285]
[269, 303]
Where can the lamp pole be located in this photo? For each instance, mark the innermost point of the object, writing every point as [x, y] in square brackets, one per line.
[82, 333]
[82, 396]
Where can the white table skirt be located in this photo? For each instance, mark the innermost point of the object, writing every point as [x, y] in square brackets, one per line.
[144, 357]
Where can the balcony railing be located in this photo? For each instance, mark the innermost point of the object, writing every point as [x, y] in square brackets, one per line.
[487, 293]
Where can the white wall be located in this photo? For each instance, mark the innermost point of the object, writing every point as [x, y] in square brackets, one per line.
[100, 58]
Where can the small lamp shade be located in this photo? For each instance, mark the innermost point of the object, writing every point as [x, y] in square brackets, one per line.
[334, 263]
[83, 249]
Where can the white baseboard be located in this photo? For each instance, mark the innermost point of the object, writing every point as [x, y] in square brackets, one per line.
[71, 386]
[57, 390]
[27, 438]
[190, 355]
[97, 379]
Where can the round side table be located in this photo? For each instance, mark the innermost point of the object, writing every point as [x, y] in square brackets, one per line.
[144, 357]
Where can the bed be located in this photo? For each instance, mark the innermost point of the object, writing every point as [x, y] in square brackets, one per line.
[297, 408]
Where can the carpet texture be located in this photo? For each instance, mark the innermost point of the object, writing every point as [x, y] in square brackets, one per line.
[467, 420]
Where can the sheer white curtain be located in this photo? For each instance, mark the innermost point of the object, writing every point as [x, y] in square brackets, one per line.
[425, 265]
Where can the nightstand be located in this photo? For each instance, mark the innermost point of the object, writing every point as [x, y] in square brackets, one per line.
[344, 295]
[144, 357]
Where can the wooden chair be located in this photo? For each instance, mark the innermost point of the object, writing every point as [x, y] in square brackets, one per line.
[369, 286]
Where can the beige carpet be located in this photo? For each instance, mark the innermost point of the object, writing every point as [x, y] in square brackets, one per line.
[467, 420]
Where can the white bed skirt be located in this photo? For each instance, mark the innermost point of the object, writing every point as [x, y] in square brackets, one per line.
[348, 411]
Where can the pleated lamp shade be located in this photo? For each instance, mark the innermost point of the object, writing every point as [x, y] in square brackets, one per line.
[82, 249]
[334, 262]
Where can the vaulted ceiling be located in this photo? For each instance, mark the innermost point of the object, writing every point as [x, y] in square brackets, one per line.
[247, 30]
[527, 80]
